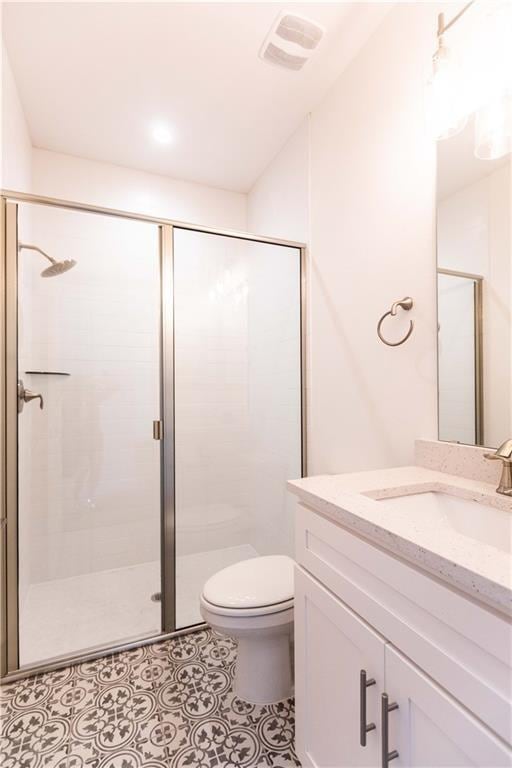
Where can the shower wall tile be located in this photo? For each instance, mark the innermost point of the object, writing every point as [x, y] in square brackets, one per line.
[211, 385]
[88, 463]
[237, 393]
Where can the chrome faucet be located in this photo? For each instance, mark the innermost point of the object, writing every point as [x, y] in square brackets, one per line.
[504, 454]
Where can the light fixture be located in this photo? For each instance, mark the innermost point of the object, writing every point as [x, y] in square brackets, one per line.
[446, 99]
[493, 128]
[482, 86]
[161, 133]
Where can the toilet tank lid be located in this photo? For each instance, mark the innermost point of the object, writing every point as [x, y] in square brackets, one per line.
[253, 583]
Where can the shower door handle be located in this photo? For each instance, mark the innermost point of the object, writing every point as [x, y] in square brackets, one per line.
[26, 395]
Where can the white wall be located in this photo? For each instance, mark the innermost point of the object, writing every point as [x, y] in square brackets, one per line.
[113, 186]
[474, 236]
[372, 224]
[278, 203]
[371, 211]
[16, 155]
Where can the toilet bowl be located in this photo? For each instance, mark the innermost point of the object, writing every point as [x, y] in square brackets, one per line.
[252, 602]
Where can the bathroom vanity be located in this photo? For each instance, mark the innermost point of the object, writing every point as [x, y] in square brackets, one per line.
[403, 631]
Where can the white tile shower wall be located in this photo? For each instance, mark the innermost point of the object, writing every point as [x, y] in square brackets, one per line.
[211, 390]
[237, 362]
[93, 473]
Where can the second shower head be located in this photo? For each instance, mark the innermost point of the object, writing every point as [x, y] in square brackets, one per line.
[56, 267]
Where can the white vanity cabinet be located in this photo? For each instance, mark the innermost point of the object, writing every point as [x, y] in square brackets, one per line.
[430, 728]
[357, 608]
[332, 646]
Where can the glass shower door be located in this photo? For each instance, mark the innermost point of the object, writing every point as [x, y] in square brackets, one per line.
[89, 506]
[237, 406]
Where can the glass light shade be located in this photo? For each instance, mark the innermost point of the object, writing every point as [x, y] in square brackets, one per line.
[493, 128]
[446, 102]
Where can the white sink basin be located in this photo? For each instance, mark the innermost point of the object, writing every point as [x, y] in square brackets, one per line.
[464, 516]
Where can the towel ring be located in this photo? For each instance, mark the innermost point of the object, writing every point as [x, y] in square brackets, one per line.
[406, 304]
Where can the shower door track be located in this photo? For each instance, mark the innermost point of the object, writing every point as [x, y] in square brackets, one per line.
[25, 197]
[9, 620]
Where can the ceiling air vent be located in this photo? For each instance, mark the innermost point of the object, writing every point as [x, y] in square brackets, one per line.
[291, 41]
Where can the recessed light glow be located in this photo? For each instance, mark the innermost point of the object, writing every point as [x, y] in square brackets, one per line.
[161, 133]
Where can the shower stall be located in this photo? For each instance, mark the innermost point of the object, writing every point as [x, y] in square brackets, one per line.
[153, 409]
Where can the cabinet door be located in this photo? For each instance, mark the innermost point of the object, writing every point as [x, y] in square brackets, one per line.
[332, 646]
[430, 728]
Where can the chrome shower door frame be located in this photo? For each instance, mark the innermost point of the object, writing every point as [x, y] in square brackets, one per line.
[9, 619]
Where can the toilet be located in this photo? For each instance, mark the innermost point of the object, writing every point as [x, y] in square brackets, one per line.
[252, 602]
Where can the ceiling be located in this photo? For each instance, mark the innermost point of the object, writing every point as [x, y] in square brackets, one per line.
[94, 77]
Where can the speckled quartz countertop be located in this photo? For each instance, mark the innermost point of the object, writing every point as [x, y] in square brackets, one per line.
[353, 500]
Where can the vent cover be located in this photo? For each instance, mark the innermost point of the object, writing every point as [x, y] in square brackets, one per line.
[291, 41]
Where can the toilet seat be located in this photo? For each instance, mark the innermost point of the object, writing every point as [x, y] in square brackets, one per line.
[255, 587]
[262, 610]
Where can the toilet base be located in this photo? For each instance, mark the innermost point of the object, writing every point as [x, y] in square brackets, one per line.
[263, 669]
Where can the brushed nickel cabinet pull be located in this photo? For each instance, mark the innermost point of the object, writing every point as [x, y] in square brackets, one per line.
[364, 727]
[387, 756]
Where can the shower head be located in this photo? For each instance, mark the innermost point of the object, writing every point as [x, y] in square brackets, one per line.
[56, 267]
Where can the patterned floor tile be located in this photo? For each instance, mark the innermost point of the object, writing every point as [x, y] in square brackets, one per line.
[167, 705]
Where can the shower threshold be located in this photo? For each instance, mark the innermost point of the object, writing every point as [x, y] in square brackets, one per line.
[105, 608]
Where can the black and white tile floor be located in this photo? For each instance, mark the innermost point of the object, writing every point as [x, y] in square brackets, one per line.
[168, 705]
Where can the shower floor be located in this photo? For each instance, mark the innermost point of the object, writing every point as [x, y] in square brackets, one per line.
[69, 615]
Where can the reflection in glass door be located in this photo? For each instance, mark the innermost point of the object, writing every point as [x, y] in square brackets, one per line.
[89, 506]
[460, 373]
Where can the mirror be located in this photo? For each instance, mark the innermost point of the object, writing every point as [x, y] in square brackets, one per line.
[474, 292]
